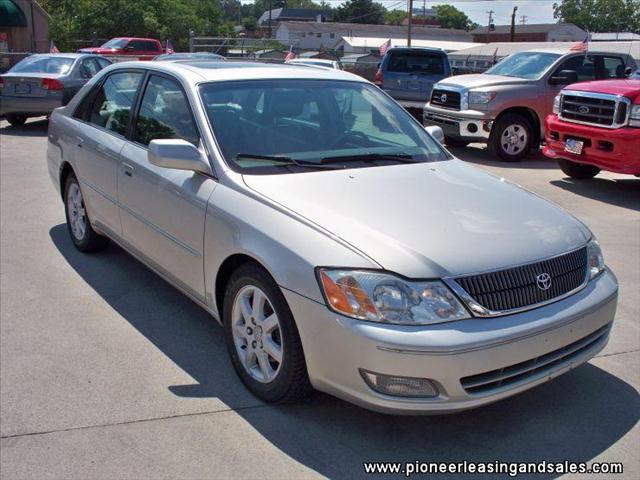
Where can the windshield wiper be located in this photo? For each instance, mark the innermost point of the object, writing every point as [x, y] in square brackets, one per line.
[284, 161]
[371, 157]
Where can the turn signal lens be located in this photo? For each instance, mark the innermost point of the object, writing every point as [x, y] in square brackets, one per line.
[378, 79]
[595, 259]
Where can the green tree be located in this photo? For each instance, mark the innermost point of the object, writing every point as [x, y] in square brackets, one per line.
[600, 15]
[395, 17]
[360, 11]
[449, 16]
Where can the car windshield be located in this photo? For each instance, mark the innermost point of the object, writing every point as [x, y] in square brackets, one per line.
[115, 43]
[524, 65]
[263, 125]
[53, 64]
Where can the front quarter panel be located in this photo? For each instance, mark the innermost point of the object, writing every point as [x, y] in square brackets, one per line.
[240, 222]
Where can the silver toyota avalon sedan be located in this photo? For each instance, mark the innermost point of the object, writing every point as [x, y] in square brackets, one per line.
[340, 246]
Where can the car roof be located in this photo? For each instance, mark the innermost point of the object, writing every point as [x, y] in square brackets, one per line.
[198, 71]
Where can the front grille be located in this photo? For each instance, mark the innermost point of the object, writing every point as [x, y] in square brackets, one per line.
[595, 110]
[518, 287]
[487, 382]
[445, 99]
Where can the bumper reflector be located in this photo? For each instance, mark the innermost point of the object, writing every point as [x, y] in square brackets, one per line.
[399, 386]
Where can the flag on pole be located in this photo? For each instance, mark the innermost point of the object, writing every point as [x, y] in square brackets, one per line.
[384, 47]
[494, 60]
[582, 46]
[168, 48]
[53, 48]
[290, 55]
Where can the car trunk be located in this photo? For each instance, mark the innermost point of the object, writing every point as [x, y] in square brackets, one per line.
[25, 85]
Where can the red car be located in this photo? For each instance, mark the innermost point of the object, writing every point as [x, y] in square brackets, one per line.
[141, 48]
[596, 126]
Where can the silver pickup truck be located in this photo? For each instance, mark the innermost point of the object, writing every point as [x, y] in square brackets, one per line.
[505, 107]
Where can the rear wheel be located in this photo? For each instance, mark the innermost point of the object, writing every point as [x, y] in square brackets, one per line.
[455, 142]
[511, 137]
[579, 171]
[262, 338]
[16, 120]
[84, 237]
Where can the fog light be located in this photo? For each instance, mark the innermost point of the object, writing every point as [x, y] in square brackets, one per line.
[399, 386]
[472, 127]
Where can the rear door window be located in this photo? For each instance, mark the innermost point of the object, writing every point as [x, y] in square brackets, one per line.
[164, 113]
[613, 67]
[114, 100]
[89, 67]
[415, 62]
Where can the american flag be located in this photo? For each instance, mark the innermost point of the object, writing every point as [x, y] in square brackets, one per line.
[53, 48]
[384, 47]
[582, 46]
[168, 49]
[290, 55]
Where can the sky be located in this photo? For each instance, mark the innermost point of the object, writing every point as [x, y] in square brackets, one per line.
[536, 11]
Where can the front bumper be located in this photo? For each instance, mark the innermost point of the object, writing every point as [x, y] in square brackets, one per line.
[33, 106]
[336, 348]
[468, 125]
[614, 150]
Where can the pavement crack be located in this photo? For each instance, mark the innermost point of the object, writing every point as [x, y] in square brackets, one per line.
[129, 422]
[617, 353]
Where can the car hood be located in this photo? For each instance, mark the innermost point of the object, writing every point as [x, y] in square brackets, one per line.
[630, 88]
[481, 80]
[428, 220]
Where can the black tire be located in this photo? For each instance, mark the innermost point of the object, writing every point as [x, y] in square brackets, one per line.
[90, 241]
[520, 124]
[579, 171]
[455, 142]
[291, 382]
[16, 120]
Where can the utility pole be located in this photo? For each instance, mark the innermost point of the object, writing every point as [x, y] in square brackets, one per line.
[410, 22]
[269, 18]
[513, 25]
[523, 19]
[490, 12]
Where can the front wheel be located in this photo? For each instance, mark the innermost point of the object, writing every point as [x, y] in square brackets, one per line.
[511, 137]
[84, 237]
[16, 120]
[262, 338]
[579, 171]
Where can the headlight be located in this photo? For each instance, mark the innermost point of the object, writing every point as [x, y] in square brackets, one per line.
[556, 105]
[594, 258]
[476, 98]
[381, 297]
[634, 117]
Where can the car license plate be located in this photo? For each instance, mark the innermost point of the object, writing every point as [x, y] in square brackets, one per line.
[22, 88]
[573, 146]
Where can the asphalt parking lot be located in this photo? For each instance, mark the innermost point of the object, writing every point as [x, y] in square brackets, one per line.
[106, 371]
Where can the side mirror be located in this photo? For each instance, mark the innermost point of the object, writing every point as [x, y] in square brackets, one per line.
[627, 72]
[177, 154]
[564, 77]
[436, 132]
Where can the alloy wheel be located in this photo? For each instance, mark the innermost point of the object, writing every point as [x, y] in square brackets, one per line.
[514, 139]
[77, 213]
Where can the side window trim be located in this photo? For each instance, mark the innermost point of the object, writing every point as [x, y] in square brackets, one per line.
[95, 90]
[138, 104]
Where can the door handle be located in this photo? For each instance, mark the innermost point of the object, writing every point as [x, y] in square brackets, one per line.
[127, 169]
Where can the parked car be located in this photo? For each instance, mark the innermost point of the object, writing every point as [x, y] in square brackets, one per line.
[38, 84]
[596, 126]
[316, 62]
[338, 244]
[506, 106]
[408, 75]
[174, 57]
[141, 48]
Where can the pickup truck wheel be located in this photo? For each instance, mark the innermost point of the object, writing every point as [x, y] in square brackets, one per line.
[455, 142]
[84, 237]
[579, 171]
[262, 338]
[511, 137]
[16, 120]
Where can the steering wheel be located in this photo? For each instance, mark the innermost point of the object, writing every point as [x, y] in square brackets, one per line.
[350, 133]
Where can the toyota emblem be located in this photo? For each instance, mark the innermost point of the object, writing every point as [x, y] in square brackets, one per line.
[583, 109]
[543, 281]
[443, 98]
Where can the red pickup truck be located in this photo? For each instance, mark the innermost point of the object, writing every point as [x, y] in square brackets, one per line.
[141, 48]
[596, 126]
